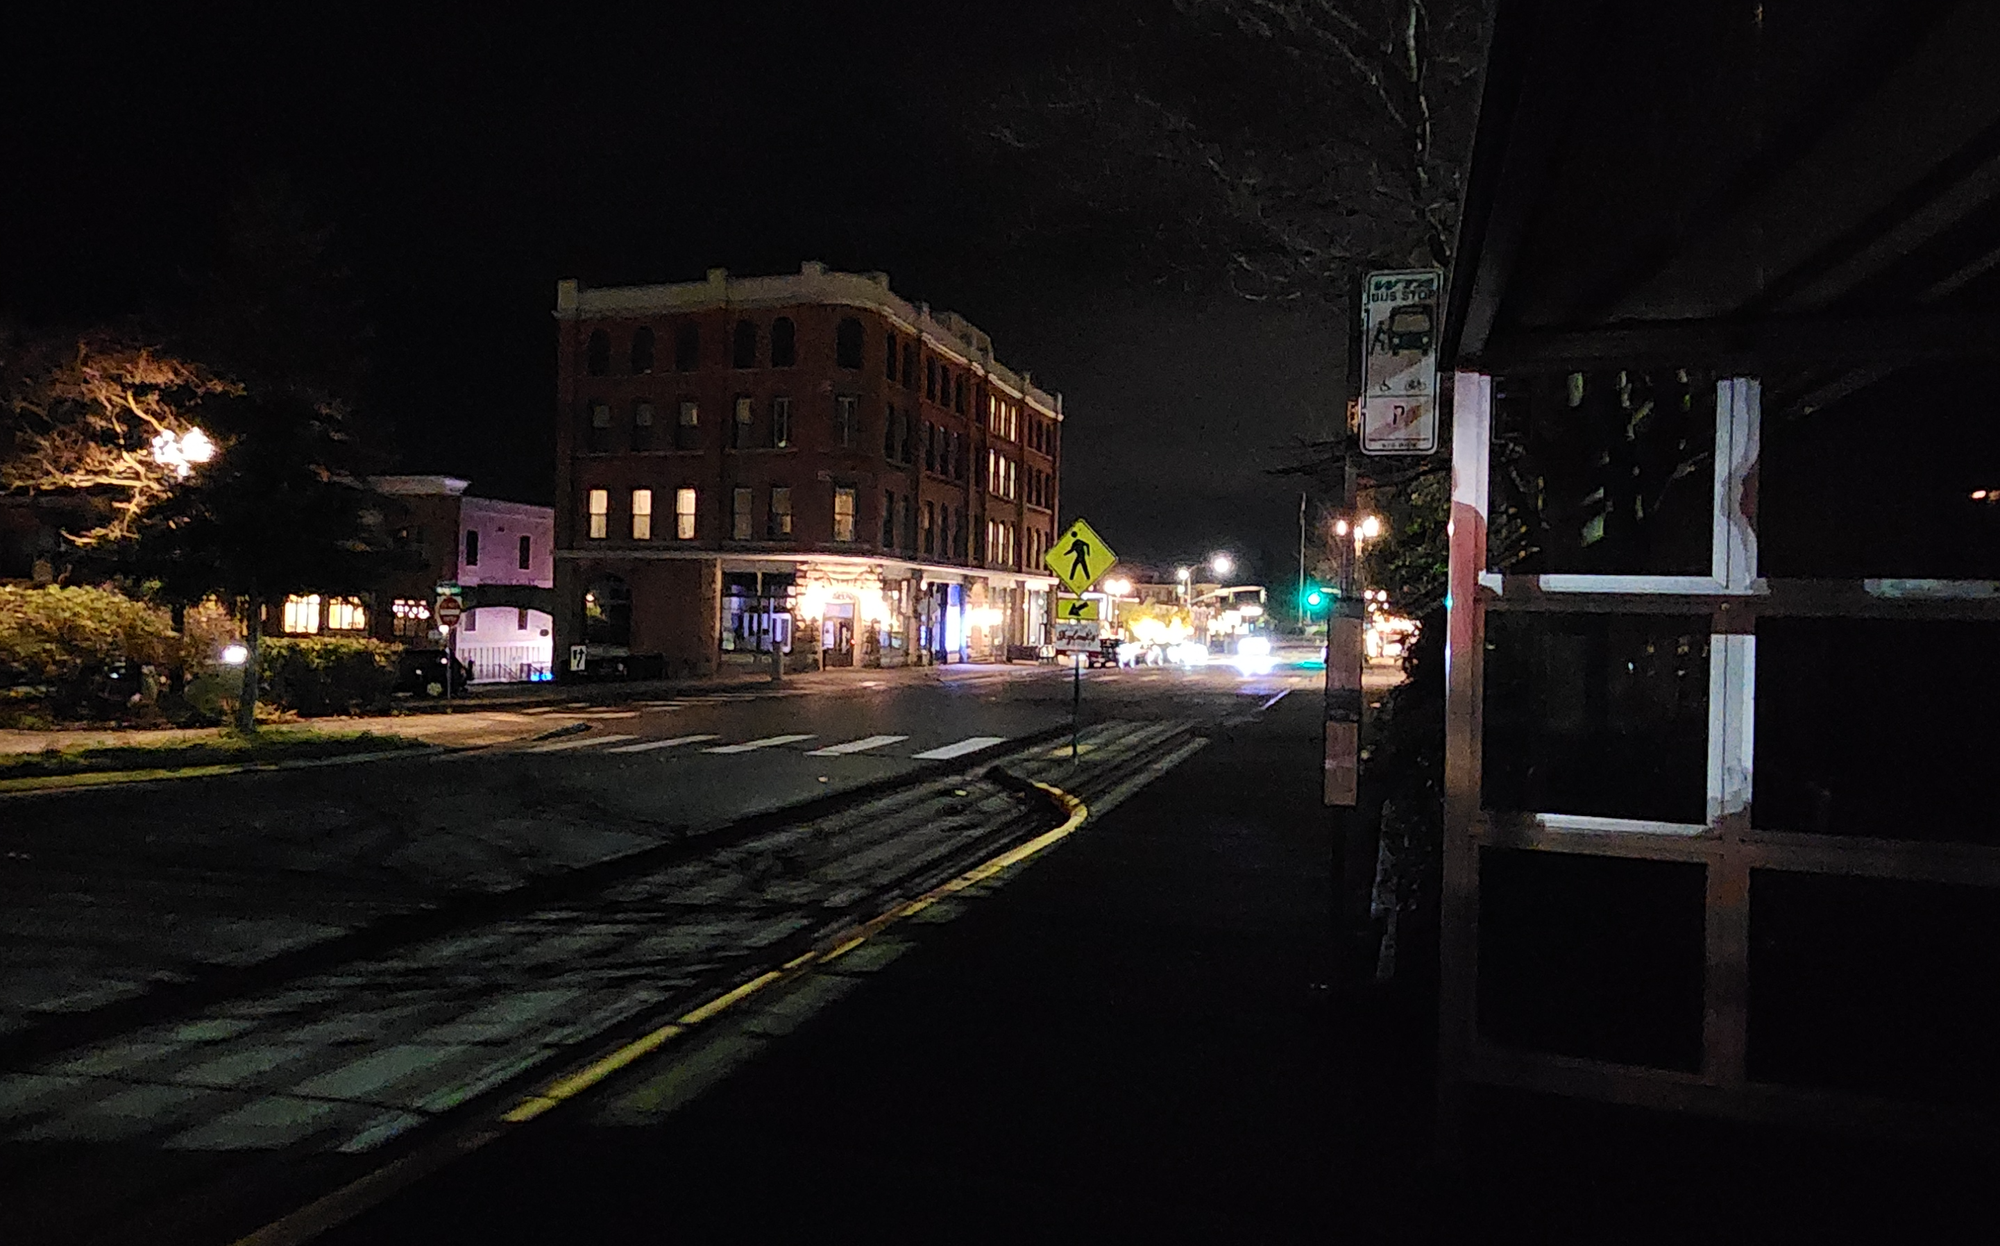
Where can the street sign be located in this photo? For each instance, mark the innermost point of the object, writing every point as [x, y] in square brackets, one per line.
[449, 611]
[1080, 557]
[579, 655]
[1069, 609]
[1399, 330]
[1076, 637]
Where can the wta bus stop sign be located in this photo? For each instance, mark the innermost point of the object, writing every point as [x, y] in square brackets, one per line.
[1080, 557]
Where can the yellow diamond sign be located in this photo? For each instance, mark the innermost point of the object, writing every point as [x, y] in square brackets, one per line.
[1079, 557]
[1072, 609]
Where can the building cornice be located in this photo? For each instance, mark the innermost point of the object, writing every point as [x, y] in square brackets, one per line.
[944, 332]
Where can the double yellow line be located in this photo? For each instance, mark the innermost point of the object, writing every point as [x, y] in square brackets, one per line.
[590, 1075]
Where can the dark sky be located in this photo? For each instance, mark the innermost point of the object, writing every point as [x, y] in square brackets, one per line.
[465, 165]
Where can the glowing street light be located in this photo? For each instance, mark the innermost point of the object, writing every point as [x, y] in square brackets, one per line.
[1118, 587]
[182, 452]
[234, 655]
[1371, 528]
[1181, 573]
[1221, 564]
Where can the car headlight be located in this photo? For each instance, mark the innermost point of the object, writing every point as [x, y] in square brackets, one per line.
[1253, 646]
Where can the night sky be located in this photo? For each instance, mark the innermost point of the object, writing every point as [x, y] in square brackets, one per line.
[465, 166]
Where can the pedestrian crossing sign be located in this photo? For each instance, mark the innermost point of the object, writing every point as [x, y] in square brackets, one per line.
[1072, 609]
[1080, 557]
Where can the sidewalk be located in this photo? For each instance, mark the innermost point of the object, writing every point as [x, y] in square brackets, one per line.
[488, 714]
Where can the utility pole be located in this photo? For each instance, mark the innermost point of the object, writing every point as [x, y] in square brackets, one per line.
[1300, 597]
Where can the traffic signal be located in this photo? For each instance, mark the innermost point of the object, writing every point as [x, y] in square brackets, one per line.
[1313, 598]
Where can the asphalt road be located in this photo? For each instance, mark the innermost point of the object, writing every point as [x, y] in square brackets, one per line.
[129, 1049]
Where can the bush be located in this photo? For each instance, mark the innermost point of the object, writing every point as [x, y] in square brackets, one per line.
[315, 675]
[79, 647]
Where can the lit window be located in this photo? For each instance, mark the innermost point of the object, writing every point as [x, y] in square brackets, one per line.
[302, 614]
[781, 512]
[600, 514]
[684, 514]
[346, 614]
[739, 514]
[642, 514]
[472, 547]
[843, 513]
[781, 422]
[409, 617]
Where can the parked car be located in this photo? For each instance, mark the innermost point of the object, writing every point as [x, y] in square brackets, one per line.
[421, 672]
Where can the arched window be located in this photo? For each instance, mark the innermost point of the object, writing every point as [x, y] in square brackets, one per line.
[958, 395]
[847, 343]
[909, 365]
[745, 352]
[597, 358]
[642, 352]
[687, 348]
[784, 343]
[607, 612]
[930, 379]
[889, 357]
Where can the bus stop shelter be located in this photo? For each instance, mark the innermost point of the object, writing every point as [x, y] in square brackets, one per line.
[1724, 613]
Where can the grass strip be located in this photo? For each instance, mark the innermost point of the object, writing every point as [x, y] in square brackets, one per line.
[225, 749]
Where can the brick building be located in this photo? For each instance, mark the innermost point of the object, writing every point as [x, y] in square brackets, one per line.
[805, 461]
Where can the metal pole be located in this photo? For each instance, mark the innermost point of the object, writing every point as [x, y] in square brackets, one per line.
[1075, 702]
[450, 660]
[1301, 598]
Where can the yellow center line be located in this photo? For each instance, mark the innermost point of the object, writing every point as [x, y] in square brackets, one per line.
[590, 1075]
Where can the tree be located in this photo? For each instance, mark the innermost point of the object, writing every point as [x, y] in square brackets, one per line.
[104, 414]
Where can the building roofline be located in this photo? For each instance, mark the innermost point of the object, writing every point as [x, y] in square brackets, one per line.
[946, 332]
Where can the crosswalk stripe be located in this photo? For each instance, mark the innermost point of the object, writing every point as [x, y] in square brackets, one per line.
[971, 744]
[580, 742]
[767, 742]
[857, 746]
[645, 746]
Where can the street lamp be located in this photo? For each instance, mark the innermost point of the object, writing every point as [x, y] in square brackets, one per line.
[1221, 564]
[182, 452]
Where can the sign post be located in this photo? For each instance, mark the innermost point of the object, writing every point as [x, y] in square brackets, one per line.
[450, 609]
[1079, 559]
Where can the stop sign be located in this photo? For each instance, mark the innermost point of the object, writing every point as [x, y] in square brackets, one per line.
[449, 611]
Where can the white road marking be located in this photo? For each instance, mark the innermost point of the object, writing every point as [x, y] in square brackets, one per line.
[971, 744]
[857, 746]
[580, 742]
[767, 742]
[646, 746]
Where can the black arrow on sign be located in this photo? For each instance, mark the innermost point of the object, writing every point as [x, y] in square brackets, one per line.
[1076, 609]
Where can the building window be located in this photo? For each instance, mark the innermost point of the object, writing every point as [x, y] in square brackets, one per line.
[687, 348]
[739, 514]
[928, 530]
[909, 365]
[642, 514]
[888, 519]
[847, 343]
[958, 536]
[302, 614]
[600, 426]
[642, 425]
[597, 356]
[780, 524]
[843, 513]
[347, 614]
[687, 431]
[781, 422]
[642, 352]
[930, 446]
[744, 354]
[889, 434]
[684, 502]
[845, 417]
[958, 395]
[739, 429]
[906, 521]
[930, 379]
[600, 514]
[526, 557]
[472, 547]
[409, 618]
[784, 343]
[909, 442]
[889, 357]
